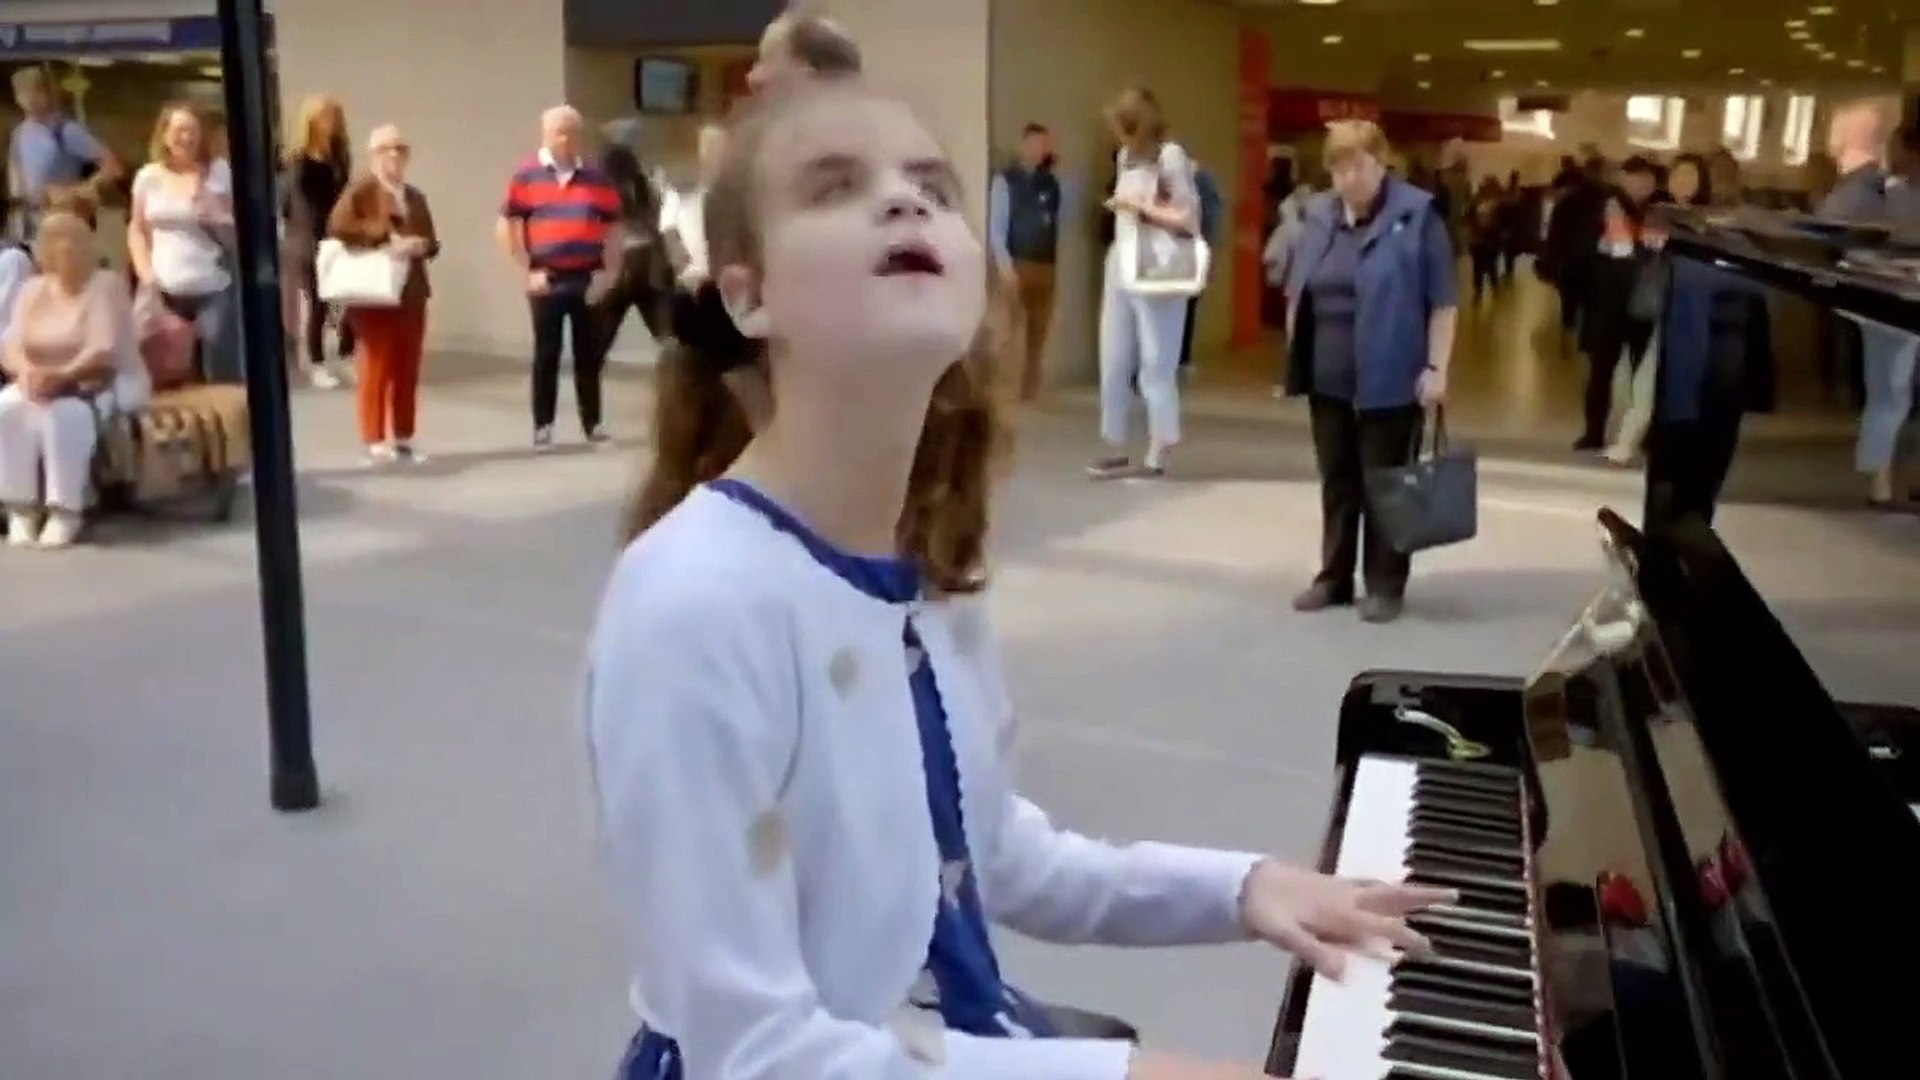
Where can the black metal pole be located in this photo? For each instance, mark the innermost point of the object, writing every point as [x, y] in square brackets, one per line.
[294, 784]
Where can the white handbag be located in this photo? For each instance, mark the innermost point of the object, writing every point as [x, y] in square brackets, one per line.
[1160, 262]
[359, 277]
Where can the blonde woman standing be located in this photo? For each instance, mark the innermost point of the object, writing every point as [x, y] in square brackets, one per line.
[317, 170]
[1140, 333]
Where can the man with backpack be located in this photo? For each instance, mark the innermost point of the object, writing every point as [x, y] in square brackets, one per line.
[50, 155]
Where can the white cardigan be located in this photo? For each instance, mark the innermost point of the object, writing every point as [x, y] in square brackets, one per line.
[764, 817]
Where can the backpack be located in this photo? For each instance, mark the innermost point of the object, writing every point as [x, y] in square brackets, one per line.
[1210, 207]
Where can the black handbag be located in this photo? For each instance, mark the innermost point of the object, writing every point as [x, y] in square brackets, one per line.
[1431, 502]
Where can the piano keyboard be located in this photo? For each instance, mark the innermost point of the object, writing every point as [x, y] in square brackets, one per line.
[1470, 1010]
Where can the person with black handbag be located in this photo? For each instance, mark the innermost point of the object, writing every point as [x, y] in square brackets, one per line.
[1370, 334]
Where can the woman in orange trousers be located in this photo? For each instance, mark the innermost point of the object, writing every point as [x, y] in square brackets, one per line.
[381, 210]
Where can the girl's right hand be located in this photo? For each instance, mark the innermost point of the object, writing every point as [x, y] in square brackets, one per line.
[1151, 1066]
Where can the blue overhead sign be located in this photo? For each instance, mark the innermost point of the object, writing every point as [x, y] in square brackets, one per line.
[200, 33]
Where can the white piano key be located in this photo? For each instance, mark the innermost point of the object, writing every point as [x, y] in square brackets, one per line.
[1344, 1035]
[1374, 843]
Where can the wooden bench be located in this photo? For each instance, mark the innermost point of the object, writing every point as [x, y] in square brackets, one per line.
[189, 445]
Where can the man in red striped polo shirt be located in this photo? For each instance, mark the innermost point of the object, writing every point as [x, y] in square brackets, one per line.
[560, 225]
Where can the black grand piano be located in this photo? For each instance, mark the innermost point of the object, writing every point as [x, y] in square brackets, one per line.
[1677, 856]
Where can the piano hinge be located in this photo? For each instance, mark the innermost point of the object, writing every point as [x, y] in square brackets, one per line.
[1459, 747]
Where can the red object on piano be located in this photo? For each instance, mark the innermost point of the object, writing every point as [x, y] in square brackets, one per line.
[1713, 883]
[1620, 902]
[1735, 867]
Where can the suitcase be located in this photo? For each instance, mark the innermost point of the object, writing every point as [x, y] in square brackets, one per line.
[190, 440]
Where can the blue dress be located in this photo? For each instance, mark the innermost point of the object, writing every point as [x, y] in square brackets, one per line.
[962, 979]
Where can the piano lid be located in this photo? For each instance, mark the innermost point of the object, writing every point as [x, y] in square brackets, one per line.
[1789, 867]
[1870, 270]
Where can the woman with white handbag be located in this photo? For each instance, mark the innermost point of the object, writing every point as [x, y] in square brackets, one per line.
[374, 263]
[1158, 261]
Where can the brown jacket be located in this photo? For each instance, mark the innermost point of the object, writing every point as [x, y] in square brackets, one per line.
[366, 216]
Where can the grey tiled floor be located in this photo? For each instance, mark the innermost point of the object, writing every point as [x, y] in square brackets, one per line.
[441, 916]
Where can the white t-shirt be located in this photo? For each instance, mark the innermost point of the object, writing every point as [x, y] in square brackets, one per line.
[187, 259]
[685, 214]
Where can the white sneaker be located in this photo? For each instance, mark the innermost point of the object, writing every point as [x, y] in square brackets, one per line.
[381, 454]
[23, 528]
[405, 453]
[322, 378]
[61, 530]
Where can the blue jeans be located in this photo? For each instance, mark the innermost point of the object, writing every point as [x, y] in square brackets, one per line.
[1889, 358]
[1140, 339]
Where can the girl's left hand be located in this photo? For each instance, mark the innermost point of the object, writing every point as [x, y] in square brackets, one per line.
[1320, 918]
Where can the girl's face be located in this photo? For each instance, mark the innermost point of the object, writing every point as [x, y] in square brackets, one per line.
[869, 271]
[183, 136]
[1684, 182]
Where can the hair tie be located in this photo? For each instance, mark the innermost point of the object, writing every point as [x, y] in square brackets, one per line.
[702, 323]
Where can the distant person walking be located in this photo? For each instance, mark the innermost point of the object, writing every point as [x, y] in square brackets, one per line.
[646, 276]
[560, 225]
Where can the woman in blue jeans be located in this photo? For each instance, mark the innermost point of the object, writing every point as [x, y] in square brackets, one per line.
[1140, 333]
[1890, 358]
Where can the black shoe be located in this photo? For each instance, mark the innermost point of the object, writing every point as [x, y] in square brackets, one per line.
[1587, 444]
[1322, 595]
[1111, 468]
[1381, 609]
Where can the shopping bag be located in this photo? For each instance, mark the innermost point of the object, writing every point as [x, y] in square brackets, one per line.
[1431, 502]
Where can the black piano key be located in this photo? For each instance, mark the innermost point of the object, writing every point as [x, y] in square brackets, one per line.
[1453, 845]
[1457, 946]
[1466, 817]
[1471, 792]
[1463, 1007]
[1487, 883]
[1462, 1055]
[1492, 901]
[1490, 918]
[1411, 975]
[1501, 810]
[1472, 770]
[1508, 975]
[1431, 832]
[1501, 866]
[1480, 928]
[1426, 774]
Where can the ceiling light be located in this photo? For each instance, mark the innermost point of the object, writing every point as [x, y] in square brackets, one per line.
[1513, 44]
[1813, 46]
[1800, 35]
[1821, 9]
[1736, 71]
[1422, 58]
[1425, 85]
[1319, 3]
[1795, 23]
[1689, 54]
[1856, 63]
[1331, 39]
[1879, 69]
[1829, 56]
[1540, 83]
[1545, 3]
[1496, 73]
[1766, 82]
[1636, 32]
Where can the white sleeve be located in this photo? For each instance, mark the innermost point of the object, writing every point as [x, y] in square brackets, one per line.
[691, 725]
[1177, 168]
[1059, 886]
[669, 209]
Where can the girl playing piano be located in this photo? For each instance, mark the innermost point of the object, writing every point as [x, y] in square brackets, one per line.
[798, 730]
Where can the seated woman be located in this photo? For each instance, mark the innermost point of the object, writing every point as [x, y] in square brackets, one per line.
[70, 356]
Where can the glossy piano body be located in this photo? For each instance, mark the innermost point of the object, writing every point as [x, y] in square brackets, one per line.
[1722, 873]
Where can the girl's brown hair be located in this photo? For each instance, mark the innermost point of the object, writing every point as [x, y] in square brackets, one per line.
[321, 133]
[157, 144]
[1136, 120]
[699, 428]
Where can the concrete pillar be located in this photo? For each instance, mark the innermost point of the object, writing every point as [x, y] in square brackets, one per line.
[935, 55]
[466, 80]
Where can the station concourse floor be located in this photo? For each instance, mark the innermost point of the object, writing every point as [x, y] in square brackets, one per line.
[441, 914]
